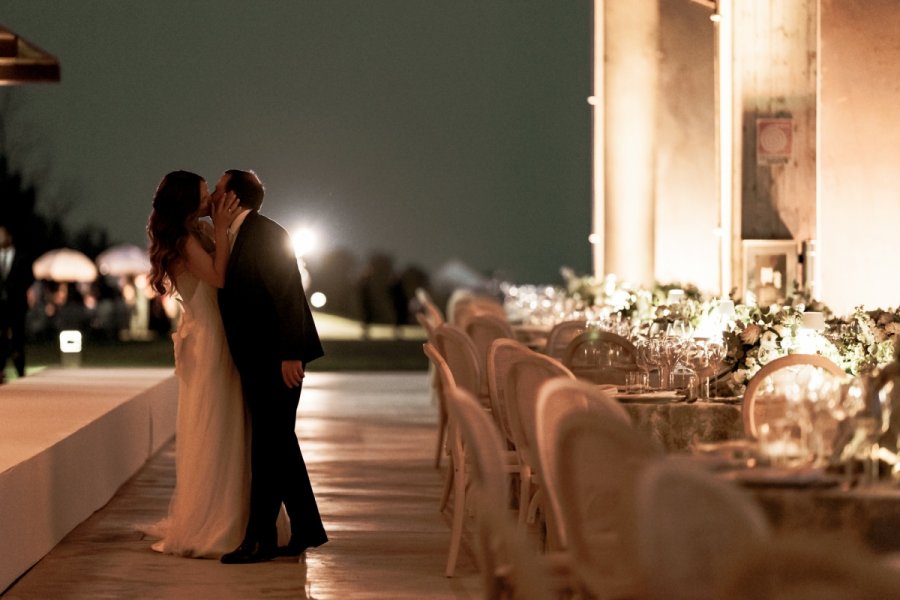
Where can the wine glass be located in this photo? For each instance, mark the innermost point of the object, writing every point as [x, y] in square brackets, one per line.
[869, 413]
[697, 356]
[649, 358]
[679, 328]
[671, 350]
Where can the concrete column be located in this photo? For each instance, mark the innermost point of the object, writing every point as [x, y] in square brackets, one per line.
[631, 34]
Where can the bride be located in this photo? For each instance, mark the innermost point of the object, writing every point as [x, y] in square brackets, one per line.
[209, 508]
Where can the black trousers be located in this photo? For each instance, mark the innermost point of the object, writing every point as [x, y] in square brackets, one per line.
[277, 471]
[12, 337]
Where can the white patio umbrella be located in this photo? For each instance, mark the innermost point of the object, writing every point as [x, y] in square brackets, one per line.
[123, 259]
[64, 264]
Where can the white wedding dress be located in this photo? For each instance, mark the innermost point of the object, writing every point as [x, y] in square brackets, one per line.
[209, 508]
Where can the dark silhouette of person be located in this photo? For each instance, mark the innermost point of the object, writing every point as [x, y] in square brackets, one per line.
[272, 338]
[375, 293]
[16, 277]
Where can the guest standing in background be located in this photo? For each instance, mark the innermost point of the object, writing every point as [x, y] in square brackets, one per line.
[15, 278]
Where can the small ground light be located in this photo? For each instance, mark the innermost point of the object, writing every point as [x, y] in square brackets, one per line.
[70, 347]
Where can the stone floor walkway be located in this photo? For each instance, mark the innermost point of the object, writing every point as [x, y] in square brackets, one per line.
[368, 439]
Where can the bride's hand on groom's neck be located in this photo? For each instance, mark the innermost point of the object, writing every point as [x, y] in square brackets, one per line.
[224, 211]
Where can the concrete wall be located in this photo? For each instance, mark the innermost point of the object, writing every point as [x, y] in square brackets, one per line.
[686, 198]
[859, 153]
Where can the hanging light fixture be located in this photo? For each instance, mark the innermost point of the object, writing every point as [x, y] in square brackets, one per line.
[23, 62]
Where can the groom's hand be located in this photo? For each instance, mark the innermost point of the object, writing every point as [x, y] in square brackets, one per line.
[292, 372]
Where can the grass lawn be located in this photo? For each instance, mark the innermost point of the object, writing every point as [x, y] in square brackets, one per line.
[340, 355]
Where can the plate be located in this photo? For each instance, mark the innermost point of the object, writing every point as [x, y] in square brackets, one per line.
[661, 396]
[725, 447]
[725, 399]
[771, 477]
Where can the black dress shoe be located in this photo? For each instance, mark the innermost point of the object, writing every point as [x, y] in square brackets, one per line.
[248, 552]
[296, 548]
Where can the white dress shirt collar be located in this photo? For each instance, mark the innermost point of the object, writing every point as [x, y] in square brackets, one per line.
[236, 225]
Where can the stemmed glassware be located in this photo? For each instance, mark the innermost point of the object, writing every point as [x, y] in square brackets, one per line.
[698, 357]
[716, 353]
[646, 359]
[870, 412]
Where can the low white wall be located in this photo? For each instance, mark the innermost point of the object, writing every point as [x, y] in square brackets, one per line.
[69, 438]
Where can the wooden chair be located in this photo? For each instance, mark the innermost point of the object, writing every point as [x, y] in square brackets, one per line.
[558, 398]
[488, 474]
[691, 530]
[560, 335]
[437, 396]
[456, 477]
[429, 308]
[473, 306]
[754, 411]
[483, 329]
[600, 357]
[597, 463]
[526, 373]
[501, 355]
[509, 562]
[458, 350]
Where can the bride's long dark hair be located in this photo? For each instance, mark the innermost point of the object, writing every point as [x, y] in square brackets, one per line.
[177, 198]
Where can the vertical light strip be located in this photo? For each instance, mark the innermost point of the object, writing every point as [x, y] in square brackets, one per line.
[725, 97]
[817, 247]
[598, 235]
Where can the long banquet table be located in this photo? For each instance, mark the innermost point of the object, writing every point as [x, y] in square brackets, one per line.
[676, 426]
[867, 515]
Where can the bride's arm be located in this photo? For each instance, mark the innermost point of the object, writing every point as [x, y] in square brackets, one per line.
[211, 267]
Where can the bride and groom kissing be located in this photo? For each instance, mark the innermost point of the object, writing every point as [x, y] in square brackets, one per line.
[245, 337]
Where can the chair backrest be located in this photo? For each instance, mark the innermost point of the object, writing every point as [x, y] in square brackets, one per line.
[483, 446]
[756, 411]
[426, 324]
[691, 530]
[500, 546]
[461, 356]
[483, 329]
[446, 387]
[477, 305]
[524, 378]
[597, 463]
[502, 353]
[560, 336]
[430, 311]
[557, 398]
[600, 356]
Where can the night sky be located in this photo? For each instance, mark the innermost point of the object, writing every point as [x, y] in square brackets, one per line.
[427, 129]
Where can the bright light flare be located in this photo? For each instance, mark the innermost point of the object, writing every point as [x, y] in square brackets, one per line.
[305, 240]
[318, 299]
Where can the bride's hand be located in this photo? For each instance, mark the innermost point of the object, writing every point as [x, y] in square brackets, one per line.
[225, 211]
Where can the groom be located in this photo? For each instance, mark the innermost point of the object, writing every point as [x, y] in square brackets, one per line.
[272, 337]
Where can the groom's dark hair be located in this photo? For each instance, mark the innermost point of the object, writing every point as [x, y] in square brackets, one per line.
[247, 187]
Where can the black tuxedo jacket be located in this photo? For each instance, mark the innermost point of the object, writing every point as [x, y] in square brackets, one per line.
[264, 309]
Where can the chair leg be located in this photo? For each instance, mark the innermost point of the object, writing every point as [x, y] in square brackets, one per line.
[442, 430]
[524, 492]
[448, 484]
[459, 516]
[533, 506]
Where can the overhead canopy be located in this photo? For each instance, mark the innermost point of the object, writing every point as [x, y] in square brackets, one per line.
[23, 62]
